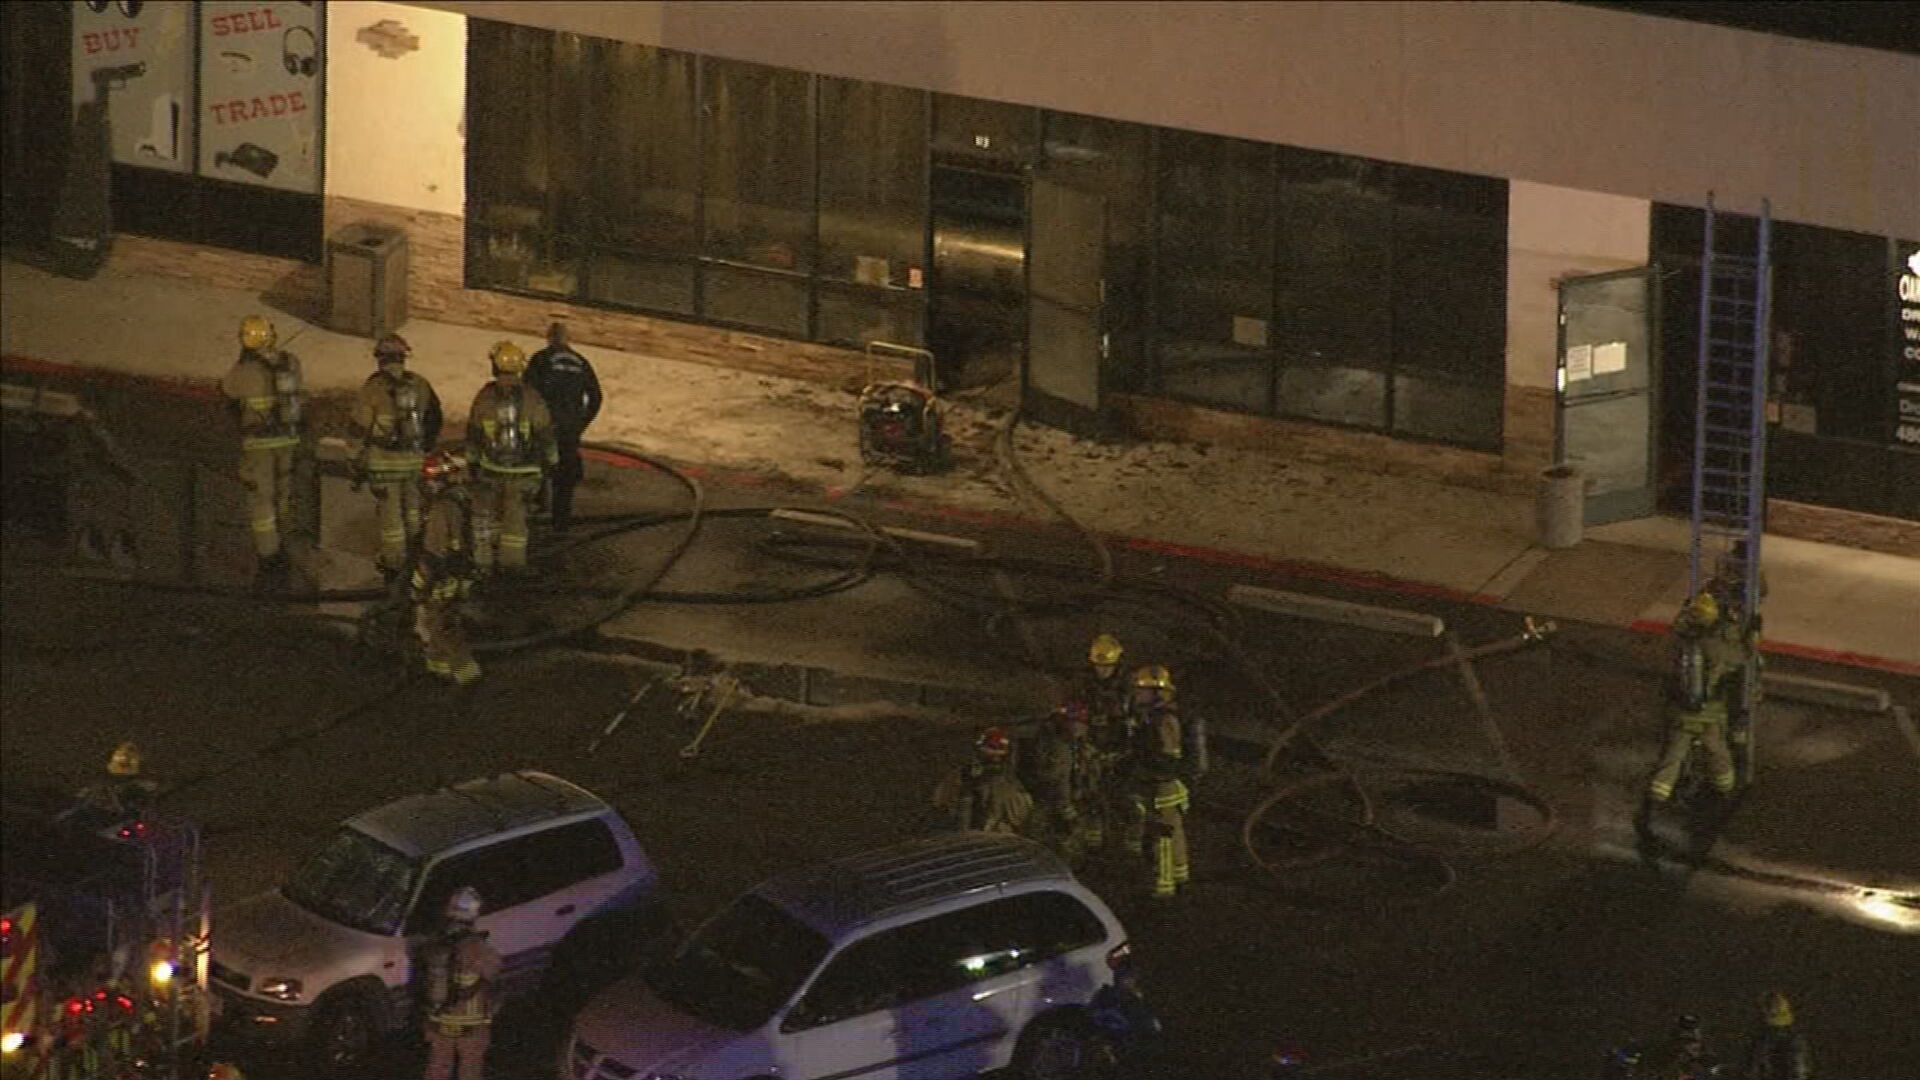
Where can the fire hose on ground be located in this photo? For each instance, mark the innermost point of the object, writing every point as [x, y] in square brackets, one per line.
[872, 550]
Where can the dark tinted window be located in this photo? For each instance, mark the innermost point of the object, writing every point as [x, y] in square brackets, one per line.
[1214, 292]
[1049, 923]
[944, 953]
[873, 182]
[1834, 435]
[759, 165]
[554, 859]
[522, 870]
[1333, 312]
[493, 871]
[527, 157]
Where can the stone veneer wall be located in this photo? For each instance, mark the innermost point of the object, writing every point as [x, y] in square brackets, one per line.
[436, 291]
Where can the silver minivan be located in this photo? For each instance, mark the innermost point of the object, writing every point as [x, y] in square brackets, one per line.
[324, 962]
[936, 958]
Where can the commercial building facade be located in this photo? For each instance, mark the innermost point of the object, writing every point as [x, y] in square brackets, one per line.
[1347, 228]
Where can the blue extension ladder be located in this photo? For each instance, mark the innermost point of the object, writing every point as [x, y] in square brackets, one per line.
[1730, 422]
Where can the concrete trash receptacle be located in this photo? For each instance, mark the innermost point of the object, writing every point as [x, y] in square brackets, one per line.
[1560, 513]
[367, 280]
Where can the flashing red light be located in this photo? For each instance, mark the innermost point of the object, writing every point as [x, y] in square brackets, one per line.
[125, 1002]
[135, 831]
[75, 1006]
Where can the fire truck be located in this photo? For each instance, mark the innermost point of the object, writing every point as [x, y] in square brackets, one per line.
[103, 948]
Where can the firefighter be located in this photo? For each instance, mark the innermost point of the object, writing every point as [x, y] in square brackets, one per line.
[984, 793]
[1103, 685]
[396, 420]
[1066, 782]
[1710, 657]
[264, 387]
[1777, 1051]
[1158, 773]
[1684, 1055]
[567, 384]
[510, 435]
[461, 969]
[123, 791]
[443, 574]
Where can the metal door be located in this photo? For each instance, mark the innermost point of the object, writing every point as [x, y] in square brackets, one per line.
[1066, 268]
[1607, 391]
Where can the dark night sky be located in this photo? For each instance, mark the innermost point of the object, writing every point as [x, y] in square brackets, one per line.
[1876, 24]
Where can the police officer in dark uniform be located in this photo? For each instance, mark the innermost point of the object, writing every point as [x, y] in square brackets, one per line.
[567, 383]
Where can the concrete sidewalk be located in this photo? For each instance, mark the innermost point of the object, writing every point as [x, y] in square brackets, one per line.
[1333, 519]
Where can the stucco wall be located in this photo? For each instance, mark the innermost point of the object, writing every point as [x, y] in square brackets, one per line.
[395, 132]
[1553, 233]
[1553, 93]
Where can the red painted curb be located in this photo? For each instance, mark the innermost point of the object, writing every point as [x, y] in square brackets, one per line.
[178, 387]
[1804, 652]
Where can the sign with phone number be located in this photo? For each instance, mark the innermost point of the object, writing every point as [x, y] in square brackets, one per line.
[1906, 429]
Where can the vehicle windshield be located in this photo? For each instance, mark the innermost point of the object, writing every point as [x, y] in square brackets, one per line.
[356, 880]
[743, 964]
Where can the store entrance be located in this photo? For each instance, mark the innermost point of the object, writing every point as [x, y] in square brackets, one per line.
[977, 313]
[1608, 390]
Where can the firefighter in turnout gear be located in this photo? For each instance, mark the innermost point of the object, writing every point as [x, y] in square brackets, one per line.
[1777, 1051]
[444, 572]
[510, 435]
[1158, 770]
[1104, 688]
[264, 387]
[984, 793]
[461, 970]
[1711, 654]
[396, 420]
[567, 384]
[123, 792]
[1066, 770]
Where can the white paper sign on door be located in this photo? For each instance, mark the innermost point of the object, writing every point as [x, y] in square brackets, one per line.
[1610, 359]
[1579, 363]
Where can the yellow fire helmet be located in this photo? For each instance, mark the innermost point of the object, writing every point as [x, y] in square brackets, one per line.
[124, 761]
[1778, 1010]
[257, 333]
[1154, 676]
[1703, 607]
[508, 358]
[1105, 651]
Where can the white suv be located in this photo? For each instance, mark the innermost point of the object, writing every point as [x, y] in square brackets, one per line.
[324, 962]
[936, 958]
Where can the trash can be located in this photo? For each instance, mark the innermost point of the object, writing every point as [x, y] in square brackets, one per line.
[1560, 513]
[367, 280]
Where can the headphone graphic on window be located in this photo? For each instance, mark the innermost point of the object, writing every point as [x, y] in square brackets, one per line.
[296, 63]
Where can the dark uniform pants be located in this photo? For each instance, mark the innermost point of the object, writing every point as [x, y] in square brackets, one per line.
[566, 476]
[457, 1057]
